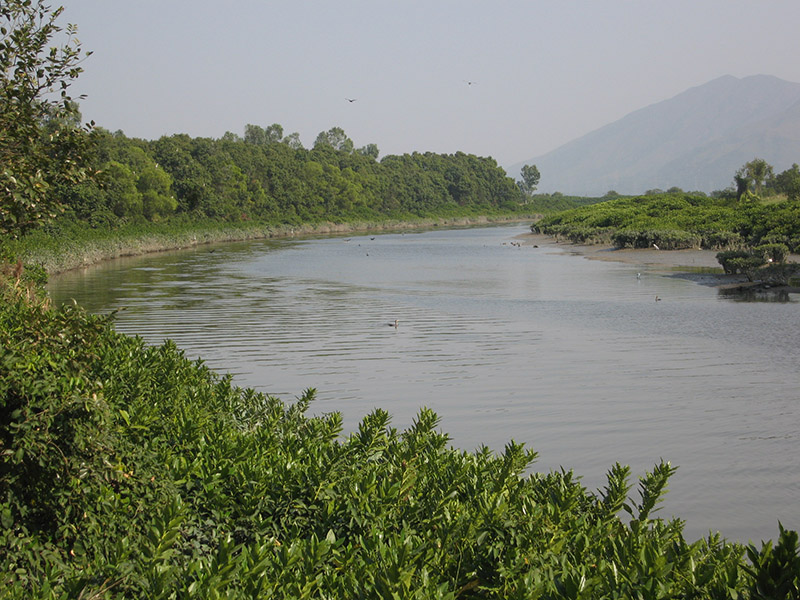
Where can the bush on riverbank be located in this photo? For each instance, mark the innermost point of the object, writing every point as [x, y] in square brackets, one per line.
[129, 471]
[674, 221]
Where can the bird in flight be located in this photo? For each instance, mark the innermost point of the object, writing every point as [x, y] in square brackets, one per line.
[351, 99]
[470, 82]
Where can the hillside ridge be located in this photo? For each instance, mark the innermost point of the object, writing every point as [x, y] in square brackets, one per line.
[695, 140]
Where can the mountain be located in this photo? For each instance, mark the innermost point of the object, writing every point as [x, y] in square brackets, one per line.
[695, 141]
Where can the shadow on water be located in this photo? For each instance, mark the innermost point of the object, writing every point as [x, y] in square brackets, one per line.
[758, 294]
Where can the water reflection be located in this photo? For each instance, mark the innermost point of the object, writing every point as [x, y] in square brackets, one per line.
[758, 294]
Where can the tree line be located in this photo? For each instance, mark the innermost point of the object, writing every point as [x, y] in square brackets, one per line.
[265, 176]
[54, 167]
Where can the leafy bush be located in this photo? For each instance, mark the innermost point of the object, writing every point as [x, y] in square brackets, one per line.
[679, 220]
[128, 471]
[775, 571]
[773, 253]
[741, 261]
[751, 264]
[721, 240]
[664, 240]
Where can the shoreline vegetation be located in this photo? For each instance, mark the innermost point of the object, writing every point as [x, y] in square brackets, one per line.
[130, 471]
[754, 241]
[697, 265]
[58, 253]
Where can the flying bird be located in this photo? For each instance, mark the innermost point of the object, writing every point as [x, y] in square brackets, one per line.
[351, 99]
[468, 82]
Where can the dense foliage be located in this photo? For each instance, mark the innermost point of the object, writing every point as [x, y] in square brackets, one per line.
[548, 204]
[278, 181]
[42, 145]
[128, 471]
[679, 220]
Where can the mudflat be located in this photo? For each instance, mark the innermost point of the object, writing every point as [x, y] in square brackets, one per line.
[700, 266]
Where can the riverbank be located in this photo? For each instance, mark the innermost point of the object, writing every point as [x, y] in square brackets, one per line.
[700, 266]
[139, 473]
[60, 252]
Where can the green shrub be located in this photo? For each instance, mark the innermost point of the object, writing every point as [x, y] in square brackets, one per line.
[664, 240]
[128, 471]
[679, 220]
[741, 261]
[721, 240]
[772, 253]
[775, 571]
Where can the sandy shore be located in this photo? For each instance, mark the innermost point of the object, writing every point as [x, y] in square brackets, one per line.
[700, 266]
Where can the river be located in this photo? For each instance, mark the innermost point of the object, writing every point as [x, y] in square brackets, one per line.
[573, 357]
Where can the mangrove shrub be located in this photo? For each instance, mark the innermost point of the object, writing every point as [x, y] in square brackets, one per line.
[129, 471]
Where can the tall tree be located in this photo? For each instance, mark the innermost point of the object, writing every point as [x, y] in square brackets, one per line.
[742, 181]
[255, 134]
[336, 138]
[788, 182]
[274, 133]
[530, 179]
[41, 143]
[293, 141]
[370, 150]
[759, 171]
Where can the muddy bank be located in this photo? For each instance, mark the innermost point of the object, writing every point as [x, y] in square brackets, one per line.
[700, 266]
[60, 255]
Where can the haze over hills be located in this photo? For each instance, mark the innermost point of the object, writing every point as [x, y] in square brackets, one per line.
[696, 141]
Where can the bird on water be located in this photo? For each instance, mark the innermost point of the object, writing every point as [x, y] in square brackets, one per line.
[395, 324]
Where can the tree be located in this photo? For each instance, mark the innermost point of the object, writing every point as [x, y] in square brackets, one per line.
[742, 181]
[758, 171]
[788, 182]
[336, 138]
[154, 184]
[254, 134]
[293, 141]
[274, 133]
[231, 137]
[370, 150]
[530, 179]
[126, 200]
[41, 146]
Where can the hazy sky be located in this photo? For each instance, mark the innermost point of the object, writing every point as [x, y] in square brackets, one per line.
[546, 71]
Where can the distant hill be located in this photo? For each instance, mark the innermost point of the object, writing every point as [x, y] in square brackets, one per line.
[694, 141]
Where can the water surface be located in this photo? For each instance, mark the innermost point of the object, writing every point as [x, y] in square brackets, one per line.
[574, 357]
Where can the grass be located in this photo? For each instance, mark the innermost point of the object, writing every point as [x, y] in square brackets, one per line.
[67, 245]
